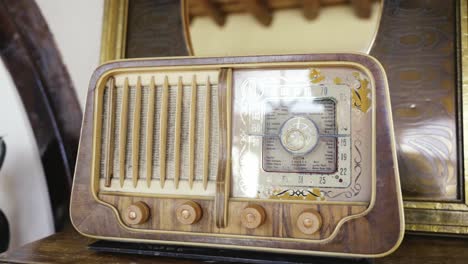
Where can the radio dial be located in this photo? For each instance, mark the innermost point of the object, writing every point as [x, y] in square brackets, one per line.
[299, 135]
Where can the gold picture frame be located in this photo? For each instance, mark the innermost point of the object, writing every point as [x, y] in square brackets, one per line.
[420, 216]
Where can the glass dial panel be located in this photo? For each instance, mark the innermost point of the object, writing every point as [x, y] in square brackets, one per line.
[301, 134]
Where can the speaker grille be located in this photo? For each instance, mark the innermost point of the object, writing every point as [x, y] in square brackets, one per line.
[133, 128]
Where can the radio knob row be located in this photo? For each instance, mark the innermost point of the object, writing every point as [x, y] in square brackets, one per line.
[252, 216]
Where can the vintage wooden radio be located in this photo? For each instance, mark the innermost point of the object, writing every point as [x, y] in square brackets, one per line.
[291, 154]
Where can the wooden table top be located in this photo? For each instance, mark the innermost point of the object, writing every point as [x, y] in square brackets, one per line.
[70, 247]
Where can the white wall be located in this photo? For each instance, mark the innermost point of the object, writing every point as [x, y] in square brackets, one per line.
[23, 191]
[76, 26]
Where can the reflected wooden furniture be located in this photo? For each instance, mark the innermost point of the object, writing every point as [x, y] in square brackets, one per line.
[71, 247]
[262, 10]
[44, 86]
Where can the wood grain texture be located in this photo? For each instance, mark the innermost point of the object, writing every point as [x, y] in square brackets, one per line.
[416, 44]
[164, 213]
[375, 233]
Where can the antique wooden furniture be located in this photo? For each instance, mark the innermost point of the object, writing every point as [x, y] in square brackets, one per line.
[263, 10]
[272, 153]
[46, 91]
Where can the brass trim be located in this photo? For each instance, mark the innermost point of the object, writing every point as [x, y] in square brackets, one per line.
[379, 20]
[227, 177]
[97, 128]
[184, 11]
[464, 77]
[114, 30]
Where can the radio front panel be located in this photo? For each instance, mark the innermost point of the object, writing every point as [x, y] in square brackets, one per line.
[251, 154]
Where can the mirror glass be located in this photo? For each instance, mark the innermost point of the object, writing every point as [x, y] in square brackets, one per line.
[230, 28]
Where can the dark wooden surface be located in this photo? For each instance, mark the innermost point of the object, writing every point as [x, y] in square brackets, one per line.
[71, 247]
[417, 46]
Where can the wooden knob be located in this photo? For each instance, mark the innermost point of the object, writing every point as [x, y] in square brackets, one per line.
[309, 222]
[189, 213]
[253, 216]
[137, 213]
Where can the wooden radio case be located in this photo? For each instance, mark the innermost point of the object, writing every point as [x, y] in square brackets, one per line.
[291, 154]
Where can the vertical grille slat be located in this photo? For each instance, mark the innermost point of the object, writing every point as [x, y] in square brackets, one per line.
[130, 132]
[163, 131]
[177, 134]
[149, 132]
[159, 128]
[206, 146]
[123, 132]
[193, 123]
[136, 132]
[110, 132]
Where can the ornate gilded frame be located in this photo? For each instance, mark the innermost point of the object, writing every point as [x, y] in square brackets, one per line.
[427, 216]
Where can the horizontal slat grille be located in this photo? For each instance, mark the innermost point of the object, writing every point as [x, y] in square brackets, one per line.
[120, 130]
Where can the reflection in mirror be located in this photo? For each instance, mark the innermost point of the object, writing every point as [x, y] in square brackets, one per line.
[232, 27]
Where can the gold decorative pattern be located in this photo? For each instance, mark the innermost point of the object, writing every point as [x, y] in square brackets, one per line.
[306, 194]
[361, 98]
[316, 76]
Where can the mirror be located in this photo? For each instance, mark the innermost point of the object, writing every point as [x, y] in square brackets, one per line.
[230, 28]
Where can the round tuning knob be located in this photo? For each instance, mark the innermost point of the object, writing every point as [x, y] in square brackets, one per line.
[253, 216]
[137, 213]
[189, 213]
[309, 222]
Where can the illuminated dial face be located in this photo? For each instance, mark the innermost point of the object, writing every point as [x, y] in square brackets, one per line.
[297, 137]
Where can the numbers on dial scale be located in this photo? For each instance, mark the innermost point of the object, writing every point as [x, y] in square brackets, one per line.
[343, 156]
